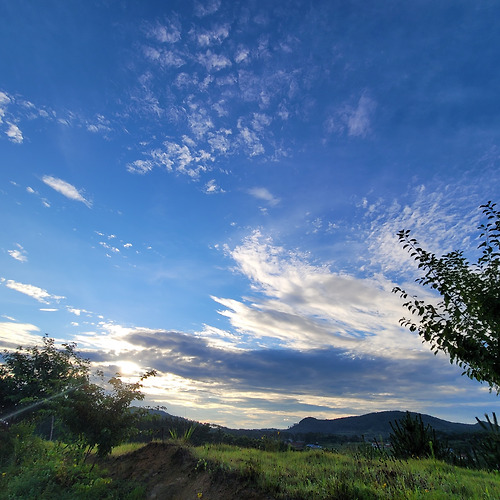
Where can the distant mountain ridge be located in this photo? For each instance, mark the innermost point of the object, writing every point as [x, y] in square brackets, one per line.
[374, 425]
[370, 425]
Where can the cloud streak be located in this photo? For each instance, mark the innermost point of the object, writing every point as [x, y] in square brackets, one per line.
[66, 189]
[305, 306]
[19, 253]
[262, 193]
[32, 291]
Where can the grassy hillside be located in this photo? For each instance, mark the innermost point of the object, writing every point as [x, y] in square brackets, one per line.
[173, 470]
[327, 475]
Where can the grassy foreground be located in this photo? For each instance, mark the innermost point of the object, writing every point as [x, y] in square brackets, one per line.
[325, 475]
[43, 470]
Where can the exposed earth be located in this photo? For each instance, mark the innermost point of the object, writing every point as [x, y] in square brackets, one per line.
[170, 472]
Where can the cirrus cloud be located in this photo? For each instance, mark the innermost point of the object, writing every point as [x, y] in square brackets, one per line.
[35, 292]
[66, 189]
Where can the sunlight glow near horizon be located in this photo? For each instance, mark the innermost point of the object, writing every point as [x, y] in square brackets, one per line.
[213, 190]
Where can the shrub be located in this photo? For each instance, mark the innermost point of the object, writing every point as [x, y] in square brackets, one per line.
[410, 438]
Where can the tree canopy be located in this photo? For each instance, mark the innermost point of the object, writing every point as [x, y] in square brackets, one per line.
[59, 381]
[31, 376]
[465, 323]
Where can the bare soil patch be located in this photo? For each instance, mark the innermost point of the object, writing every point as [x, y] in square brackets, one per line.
[168, 472]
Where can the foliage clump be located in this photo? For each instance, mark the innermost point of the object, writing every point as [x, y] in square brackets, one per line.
[33, 468]
[465, 323]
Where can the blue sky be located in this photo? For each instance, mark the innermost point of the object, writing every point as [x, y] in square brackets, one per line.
[213, 189]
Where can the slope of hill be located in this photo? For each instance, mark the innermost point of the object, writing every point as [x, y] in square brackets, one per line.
[374, 425]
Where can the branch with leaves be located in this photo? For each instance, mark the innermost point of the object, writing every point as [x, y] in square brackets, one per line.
[465, 323]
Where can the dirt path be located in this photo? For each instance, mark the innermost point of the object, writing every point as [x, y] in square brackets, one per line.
[168, 472]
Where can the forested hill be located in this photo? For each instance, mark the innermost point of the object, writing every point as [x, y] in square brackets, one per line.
[374, 425]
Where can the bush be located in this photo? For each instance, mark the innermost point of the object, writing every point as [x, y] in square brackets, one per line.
[39, 469]
[410, 438]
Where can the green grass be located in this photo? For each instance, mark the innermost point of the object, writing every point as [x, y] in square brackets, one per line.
[126, 448]
[326, 475]
[34, 468]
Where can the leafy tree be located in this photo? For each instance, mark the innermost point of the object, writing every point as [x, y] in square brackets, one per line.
[59, 380]
[35, 375]
[101, 417]
[465, 323]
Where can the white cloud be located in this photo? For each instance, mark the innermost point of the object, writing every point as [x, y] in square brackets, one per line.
[216, 35]
[14, 334]
[206, 8]
[19, 254]
[211, 187]
[220, 142]
[166, 33]
[165, 58]
[200, 122]
[358, 122]
[260, 121]
[213, 62]
[264, 194]
[140, 166]
[306, 306]
[109, 247]
[65, 189]
[241, 55]
[432, 218]
[99, 124]
[4, 102]
[182, 158]
[14, 133]
[35, 292]
[251, 140]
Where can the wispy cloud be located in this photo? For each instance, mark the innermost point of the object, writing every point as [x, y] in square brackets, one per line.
[4, 102]
[262, 193]
[432, 217]
[359, 120]
[213, 62]
[355, 120]
[19, 253]
[99, 124]
[211, 187]
[214, 36]
[14, 133]
[66, 189]
[35, 292]
[303, 306]
[168, 32]
[207, 8]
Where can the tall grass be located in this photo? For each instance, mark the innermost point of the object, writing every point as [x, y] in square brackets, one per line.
[325, 475]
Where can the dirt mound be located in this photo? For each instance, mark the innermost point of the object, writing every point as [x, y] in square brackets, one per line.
[169, 472]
